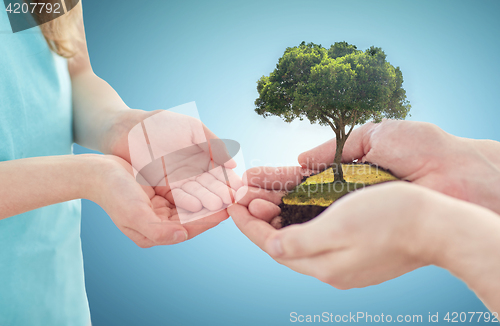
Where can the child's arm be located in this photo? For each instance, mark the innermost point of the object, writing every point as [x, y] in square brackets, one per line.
[30, 183]
[99, 112]
[147, 219]
[102, 121]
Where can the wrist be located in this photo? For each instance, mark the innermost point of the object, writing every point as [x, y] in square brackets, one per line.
[116, 139]
[466, 242]
[480, 173]
[115, 126]
[420, 239]
[92, 169]
[488, 148]
[439, 227]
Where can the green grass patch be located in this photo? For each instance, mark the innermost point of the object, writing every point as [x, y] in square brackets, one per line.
[320, 194]
[320, 189]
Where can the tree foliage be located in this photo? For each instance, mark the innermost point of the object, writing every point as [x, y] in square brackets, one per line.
[339, 87]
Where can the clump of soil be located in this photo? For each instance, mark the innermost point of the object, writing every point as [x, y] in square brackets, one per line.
[317, 192]
[296, 214]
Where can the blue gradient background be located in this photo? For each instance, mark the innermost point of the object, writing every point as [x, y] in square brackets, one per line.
[159, 54]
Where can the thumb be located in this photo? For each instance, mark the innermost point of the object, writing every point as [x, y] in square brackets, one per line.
[321, 157]
[305, 240]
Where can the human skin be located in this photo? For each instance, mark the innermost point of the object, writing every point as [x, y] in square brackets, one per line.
[102, 122]
[146, 213]
[418, 152]
[382, 232]
[145, 217]
[423, 154]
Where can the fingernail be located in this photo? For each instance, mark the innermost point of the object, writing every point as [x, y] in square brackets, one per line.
[180, 236]
[276, 248]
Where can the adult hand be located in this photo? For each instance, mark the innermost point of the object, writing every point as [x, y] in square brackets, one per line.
[385, 230]
[377, 234]
[364, 238]
[415, 151]
[423, 154]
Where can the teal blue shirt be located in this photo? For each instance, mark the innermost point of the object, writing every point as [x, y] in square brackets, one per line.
[41, 265]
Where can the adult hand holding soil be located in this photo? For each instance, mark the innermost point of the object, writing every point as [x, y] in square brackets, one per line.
[382, 232]
[424, 154]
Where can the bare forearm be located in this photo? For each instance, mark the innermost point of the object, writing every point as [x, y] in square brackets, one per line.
[96, 108]
[470, 250]
[96, 105]
[31, 183]
[476, 168]
[490, 149]
[101, 119]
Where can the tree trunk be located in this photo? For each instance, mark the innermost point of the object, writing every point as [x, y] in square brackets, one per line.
[338, 173]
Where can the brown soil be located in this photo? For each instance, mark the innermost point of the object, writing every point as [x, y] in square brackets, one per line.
[296, 214]
[303, 212]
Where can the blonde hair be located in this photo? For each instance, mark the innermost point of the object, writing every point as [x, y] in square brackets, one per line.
[62, 34]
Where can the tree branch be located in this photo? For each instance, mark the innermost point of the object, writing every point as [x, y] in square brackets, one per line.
[336, 120]
[325, 118]
[353, 123]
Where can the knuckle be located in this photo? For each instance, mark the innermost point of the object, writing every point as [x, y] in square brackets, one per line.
[341, 286]
[326, 277]
[335, 280]
[143, 245]
[427, 131]
[431, 128]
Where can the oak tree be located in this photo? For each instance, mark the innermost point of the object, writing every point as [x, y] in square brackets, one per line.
[338, 87]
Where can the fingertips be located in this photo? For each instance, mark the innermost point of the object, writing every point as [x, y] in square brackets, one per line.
[276, 222]
[263, 209]
[205, 223]
[217, 187]
[322, 156]
[230, 164]
[301, 240]
[319, 158]
[184, 200]
[208, 199]
[234, 180]
[359, 143]
[241, 195]
[227, 175]
[255, 229]
[245, 195]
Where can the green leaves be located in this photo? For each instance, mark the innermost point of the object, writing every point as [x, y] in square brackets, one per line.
[338, 87]
[340, 49]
